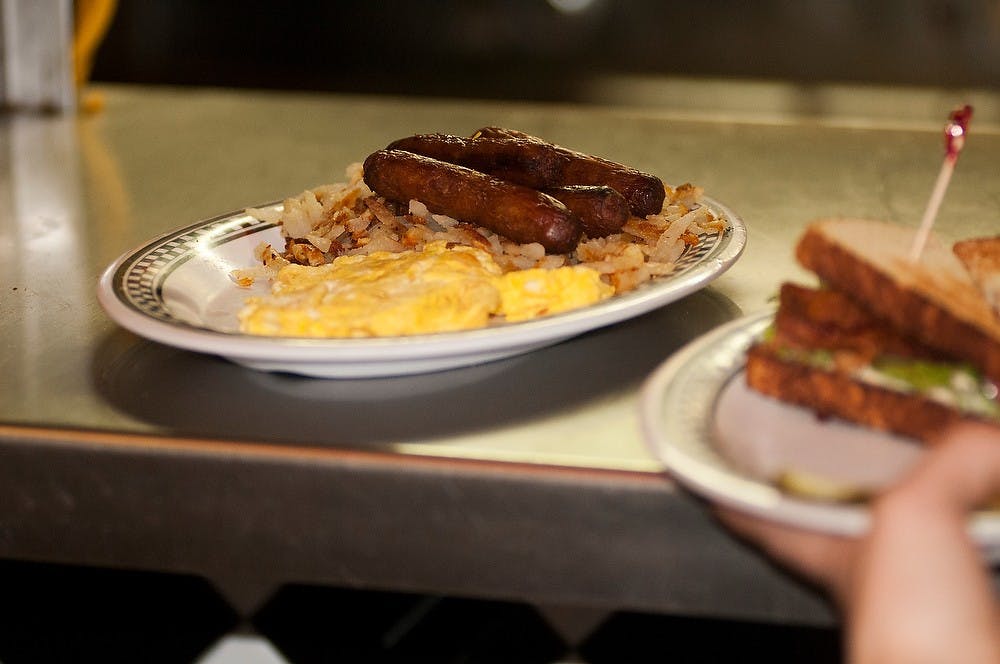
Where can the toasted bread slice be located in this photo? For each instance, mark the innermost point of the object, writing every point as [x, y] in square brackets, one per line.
[981, 257]
[933, 300]
[836, 394]
[827, 319]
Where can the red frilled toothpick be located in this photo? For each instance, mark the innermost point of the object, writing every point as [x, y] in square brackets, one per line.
[954, 141]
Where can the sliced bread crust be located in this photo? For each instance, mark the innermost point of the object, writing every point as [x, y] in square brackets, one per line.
[822, 318]
[981, 257]
[832, 394]
[933, 300]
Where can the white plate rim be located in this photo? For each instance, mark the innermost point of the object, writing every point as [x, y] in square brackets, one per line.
[384, 354]
[685, 451]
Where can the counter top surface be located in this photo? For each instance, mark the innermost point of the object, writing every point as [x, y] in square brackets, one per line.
[81, 393]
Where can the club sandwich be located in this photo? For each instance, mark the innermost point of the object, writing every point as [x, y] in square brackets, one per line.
[885, 341]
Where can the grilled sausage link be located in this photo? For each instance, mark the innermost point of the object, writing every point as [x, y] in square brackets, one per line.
[518, 213]
[532, 162]
[602, 210]
[503, 132]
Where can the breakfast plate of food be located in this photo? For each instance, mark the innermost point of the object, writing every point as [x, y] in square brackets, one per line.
[436, 252]
[802, 412]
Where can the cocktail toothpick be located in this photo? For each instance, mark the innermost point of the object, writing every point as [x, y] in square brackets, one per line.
[954, 141]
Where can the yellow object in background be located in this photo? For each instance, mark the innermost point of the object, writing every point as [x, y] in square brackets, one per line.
[91, 21]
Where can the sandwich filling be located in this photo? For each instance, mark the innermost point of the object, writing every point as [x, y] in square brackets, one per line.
[826, 330]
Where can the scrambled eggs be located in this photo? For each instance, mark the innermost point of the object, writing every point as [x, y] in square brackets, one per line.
[438, 289]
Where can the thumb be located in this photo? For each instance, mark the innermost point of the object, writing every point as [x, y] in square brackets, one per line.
[962, 467]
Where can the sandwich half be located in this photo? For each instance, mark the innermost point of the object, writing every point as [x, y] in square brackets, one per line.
[981, 257]
[901, 346]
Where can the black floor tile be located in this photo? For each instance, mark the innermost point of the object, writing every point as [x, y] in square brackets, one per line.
[63, 613]
[481, 631]
[59, 613]
[317, 624]
[638, 637]
[311, 625]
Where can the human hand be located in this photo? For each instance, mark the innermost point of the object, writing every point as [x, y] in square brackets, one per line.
[915, 587]
[920, 590]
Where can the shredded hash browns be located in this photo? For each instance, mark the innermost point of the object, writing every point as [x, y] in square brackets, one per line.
[347, 218]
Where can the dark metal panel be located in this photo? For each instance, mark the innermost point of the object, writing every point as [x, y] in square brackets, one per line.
[250, 517]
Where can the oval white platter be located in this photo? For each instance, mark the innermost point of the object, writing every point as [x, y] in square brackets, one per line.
[176, 290]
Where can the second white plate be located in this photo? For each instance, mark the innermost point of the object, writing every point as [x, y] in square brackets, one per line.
[728, 444]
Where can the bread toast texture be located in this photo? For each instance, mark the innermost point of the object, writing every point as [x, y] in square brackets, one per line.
[835, 394]
[877, 303]
[981, 257]
[823, 318]
[933, 300]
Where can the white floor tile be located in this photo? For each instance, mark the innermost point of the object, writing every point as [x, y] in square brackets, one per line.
[242, 649]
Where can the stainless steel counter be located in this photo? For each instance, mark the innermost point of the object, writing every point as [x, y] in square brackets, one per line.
[525, 478]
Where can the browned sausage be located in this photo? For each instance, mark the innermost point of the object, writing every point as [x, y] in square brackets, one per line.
[503, 132]
[602, 210]
[518, 213]
[516, 160]
[535, 163]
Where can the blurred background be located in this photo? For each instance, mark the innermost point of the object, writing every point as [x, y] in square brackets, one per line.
[546, 49]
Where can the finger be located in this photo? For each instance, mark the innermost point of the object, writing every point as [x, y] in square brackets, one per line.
[961, 470]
